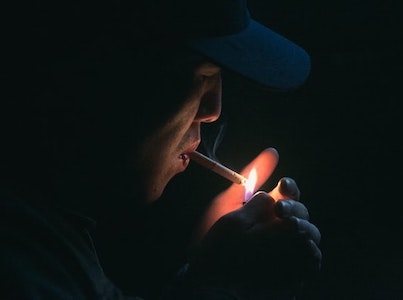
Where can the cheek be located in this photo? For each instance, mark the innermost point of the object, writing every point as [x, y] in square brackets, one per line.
[152, 180]
[159, 173]
[155, 163]
[158, 156]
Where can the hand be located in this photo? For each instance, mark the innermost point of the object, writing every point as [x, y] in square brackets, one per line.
[267, 246]
[233, 197]
[253, 251]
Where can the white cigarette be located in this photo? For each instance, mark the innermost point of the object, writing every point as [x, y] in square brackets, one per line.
[217, 168]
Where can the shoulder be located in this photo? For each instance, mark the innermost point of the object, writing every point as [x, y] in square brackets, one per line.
[43, 256]
[28, 264]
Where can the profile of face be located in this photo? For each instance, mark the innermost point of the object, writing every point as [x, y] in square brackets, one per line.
[165, 152]
[121, 130]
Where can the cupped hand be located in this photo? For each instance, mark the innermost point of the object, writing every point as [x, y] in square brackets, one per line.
[267, 243]
[253, 248]
[233, 197]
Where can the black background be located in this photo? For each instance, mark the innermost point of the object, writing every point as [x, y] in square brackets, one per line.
[338, 137]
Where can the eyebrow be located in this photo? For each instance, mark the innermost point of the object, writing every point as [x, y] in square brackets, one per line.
[208, 67]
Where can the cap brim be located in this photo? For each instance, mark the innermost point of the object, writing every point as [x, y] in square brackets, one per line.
[259, 54]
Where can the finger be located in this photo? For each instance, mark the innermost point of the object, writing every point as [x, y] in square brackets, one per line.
[289, 208]
[286, 188]
[299, 227]
[259, 208]
[289, 188]
[316, 254]
[304, 227]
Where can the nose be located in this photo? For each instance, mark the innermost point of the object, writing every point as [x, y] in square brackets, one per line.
[210, 103]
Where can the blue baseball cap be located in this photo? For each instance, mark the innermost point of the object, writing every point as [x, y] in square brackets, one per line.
[221, 30]
[224, 31]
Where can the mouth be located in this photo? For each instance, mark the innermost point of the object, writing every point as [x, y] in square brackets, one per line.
[185, 157]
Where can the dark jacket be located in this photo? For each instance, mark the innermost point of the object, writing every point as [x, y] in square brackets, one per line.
[48, 253]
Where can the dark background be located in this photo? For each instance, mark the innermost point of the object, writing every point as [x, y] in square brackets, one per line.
[338, 137]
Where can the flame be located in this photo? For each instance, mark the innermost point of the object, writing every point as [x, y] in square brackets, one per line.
[250, 184]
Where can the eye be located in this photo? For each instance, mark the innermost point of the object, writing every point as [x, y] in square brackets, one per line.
[206, 78]
[206, 75]
[204, 81]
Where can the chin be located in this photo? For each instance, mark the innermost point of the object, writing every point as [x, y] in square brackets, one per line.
[156, 188]
[154, 193]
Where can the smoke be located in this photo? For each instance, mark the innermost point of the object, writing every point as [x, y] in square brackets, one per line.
[212, 136]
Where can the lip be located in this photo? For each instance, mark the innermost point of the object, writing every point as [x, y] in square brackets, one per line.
[184, 156]
[193, 147]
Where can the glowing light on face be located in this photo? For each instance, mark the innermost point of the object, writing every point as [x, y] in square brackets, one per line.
[250, 185]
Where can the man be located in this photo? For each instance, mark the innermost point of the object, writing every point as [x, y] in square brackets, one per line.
[104, 107]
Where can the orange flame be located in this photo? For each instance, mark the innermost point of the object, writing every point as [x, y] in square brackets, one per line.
[250, 185]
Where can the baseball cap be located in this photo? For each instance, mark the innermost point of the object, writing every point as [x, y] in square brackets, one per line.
[223, 31]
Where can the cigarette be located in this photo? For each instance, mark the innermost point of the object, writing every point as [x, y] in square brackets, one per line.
[218, 168]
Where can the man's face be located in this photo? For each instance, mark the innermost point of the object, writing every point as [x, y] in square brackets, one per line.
[165, 153]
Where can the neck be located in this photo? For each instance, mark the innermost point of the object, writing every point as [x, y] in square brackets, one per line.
[89, 193]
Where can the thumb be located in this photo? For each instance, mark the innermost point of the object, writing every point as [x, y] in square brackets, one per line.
[286, 188]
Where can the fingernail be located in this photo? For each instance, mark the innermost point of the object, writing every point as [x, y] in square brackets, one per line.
[285, 185]
[289, 188]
